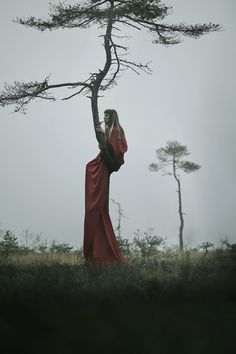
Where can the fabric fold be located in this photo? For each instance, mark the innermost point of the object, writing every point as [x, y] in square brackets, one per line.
[100, 244]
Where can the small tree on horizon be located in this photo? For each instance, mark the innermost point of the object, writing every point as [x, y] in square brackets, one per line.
[120, 215]
[170, 160]
[8, 245]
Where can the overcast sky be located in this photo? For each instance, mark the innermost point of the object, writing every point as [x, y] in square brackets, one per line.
[190, 97]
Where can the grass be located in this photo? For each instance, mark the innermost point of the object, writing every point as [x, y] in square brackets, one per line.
[170, 303]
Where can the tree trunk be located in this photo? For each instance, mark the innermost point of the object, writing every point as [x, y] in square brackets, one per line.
[102, 74]
[181, 227]
[119, 221]
[94, 106]
[95, 87]
[118, 228]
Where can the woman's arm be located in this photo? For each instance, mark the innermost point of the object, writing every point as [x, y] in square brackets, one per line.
[106, 153]
[108, 158]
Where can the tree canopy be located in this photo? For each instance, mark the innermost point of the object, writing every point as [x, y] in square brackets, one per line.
[114, 16]
[170, 160]
[171, 155]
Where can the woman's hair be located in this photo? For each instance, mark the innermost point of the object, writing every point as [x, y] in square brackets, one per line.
[115, 122]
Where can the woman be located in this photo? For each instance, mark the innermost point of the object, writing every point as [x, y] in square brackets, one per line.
[100, 244]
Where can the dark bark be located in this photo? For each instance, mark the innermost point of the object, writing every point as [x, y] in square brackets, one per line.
[110, 162]
[181, 227]
[118, 228]
[101, 75]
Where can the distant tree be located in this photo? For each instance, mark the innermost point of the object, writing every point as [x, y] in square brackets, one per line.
[8, 245]
[112, 16]
[32, 242]
[120, 215]
[27, 237]
[170, 161]
[205, 246]
[60, 247]
[148, 244]
[124, 244]
[42, 248]
[229, 246]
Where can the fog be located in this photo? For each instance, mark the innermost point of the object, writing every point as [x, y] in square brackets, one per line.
[190, 97]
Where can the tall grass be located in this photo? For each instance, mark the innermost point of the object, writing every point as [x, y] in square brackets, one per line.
[169, 303]
[192, 271]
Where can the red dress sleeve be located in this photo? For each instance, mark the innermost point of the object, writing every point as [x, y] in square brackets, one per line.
[118, 147]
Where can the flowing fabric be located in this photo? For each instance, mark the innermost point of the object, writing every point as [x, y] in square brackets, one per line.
[100, 243]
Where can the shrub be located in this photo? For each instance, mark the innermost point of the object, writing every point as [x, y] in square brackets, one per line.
[125, 245]
[8, 245]
[60, 247]
[147, 245]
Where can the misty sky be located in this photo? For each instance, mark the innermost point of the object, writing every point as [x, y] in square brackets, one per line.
[190, 97]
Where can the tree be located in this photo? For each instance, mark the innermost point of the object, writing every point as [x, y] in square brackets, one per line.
[120, 215]
[205, 246]
[170, 157]
[8, 245]
[124, 244]
[60, 247]
[147, 245]
[112, 16]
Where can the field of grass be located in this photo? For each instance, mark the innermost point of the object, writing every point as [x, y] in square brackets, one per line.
[170, 303]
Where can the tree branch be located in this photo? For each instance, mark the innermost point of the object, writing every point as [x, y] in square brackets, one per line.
[140, 66]
[21, 94]
[128, 24]
[137, 14]
[162, 30]
[74, 94]
[65, 17]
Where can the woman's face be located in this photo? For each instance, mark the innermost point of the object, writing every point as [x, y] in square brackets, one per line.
[107, 119]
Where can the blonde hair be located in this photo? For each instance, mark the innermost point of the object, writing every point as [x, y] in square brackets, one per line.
[115, 122]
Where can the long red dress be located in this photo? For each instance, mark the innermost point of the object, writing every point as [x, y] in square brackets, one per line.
[100, 244]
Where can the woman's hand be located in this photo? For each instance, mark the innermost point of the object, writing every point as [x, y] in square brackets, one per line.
[100, 129]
